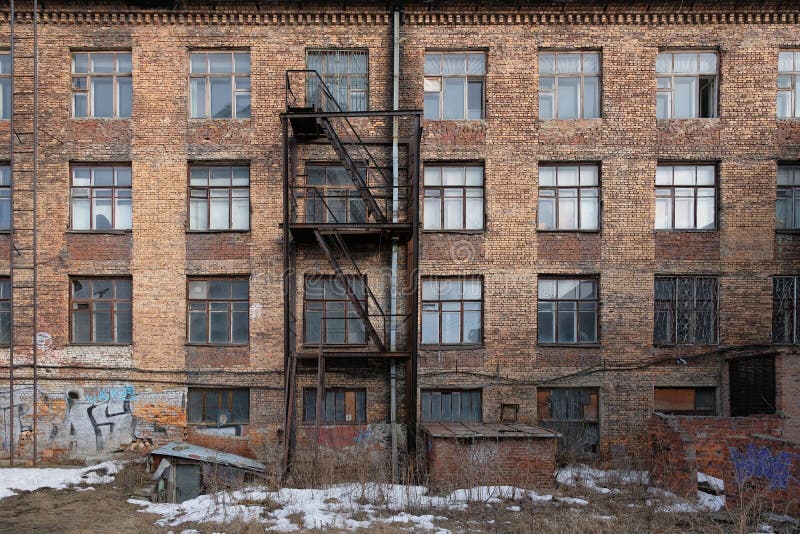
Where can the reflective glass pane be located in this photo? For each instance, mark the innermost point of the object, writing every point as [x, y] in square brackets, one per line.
[664, 62]
[102, 97]
[220, 63]
[198, 97]
[453, 108]
[685, 97]
[568, 98]
[102, 63]
[221, 105]
[568, 63]
[591, 97]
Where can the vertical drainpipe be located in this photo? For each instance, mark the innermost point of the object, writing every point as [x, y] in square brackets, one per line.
[395, 245]
[11, 249]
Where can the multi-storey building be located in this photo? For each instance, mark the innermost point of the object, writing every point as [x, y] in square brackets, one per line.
[258, 226]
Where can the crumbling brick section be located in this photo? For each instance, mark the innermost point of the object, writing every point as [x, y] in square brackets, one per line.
[684, 445]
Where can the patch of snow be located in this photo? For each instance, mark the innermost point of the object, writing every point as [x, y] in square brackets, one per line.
[573, 500]
[513, 508]
[710, 502]
[713, 482]
[597, 479]
[33, 478]
[765, 528]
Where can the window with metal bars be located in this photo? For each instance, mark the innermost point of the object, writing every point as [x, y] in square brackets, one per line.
[339, 406]
[784, 309]
[327, 305]
[216, 407]
[686, 310]
[345, 73]
[451, 406]
[752, 386]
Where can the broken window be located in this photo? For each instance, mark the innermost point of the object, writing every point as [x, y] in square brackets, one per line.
[574, 412]
[686, 85]
[101, 84]
[101, 198]
[332, 197]
[569, 197]
[454, 85]
[219, 198]
[569, 85]
[685, 310]
[338, 406]
[218, 406]
[344, 73]
[101, 310]
[784, 309]
[5, 310]
[685, 197]
[220, 85]
[453, 198]
[328, 305]
[451, 406]
[752, 386]
[789, 84]
[218, 311]
[787, 204]
[685, 401]
[5, 85]
[5, 198]
[567, 310]
[452, 311]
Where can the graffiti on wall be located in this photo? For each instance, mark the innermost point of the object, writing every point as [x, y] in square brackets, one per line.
[15, 417]
[778, 469]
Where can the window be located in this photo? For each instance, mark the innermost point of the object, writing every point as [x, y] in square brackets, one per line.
[454, 85]
[453, 198]
[101, 198]
[456, 406]
[220, 85]
[686, 85]
[5, 86]
[219, 198]
[217, 407]
[332, 197]
[685, 401]
[218, 311]
[344, 73]
[784, 310]
[685, 310]
[452, 311]
[752, 383]
[789, 84]
[101, 310]
[5, 198]
[569, 85]
[787, 205]
[573, 412]
[338, 406]
[569, 197]
[5, 310]
[567, 310]
[101, 84]
[328, 305]
[685, 197]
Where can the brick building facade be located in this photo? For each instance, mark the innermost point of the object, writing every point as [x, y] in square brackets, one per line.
[654, 284]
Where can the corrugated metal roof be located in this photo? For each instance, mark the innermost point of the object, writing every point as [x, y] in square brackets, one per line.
[486, 430]
[187, 451]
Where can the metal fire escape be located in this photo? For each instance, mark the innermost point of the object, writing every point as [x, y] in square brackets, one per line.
[374, 204]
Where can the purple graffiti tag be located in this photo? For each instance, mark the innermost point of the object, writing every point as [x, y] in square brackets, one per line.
[760, 463]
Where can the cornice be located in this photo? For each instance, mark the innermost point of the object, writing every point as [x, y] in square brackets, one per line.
[382, 19]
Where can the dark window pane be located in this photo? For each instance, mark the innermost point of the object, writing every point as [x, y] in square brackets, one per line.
[212, 406]
[194, 408]
[309, 405]
[241, 406]
[197, 327]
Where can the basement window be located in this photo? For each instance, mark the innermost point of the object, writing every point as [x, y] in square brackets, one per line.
[339, 406]
[101, 198]
[5, 198]
[573, 412]
[452, 406]
[101, 310]
[752, 386]
[452, 311]
[101, 84]
[569, 85]
[784, 310]
[686, 310]
[218, 407]
[685, 401]
[220, 85]
[219, 198]
[5, 310]
[686, 197]
[789, 84]
[787, 204]
[686, 85]
[454, 85]
[327, 305]
[344, 73]
[218, 311]
[5, 86]
[453, 198]
[569, 197]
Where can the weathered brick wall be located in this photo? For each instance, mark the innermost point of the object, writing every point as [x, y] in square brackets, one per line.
[522, 462]
[684, 445]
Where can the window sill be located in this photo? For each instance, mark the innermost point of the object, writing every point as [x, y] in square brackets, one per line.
[559, 231]
[577, 119]
[571, 345]
[100, 232]
[474, 121]
[100, 345]
[676, 346]
[7, 232]
[214, 425]
[201, 232]
[209, 119]
[685, 230]
[788, 231]
[217, 344]
[668, 120]
[104, 119]
[311, 424]
[465, 346]
[304, 346]
[457, 232]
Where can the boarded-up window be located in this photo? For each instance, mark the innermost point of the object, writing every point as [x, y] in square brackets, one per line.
[457, 406]
[686, 401]
[338, 406]
[752, 383]
[574, 412]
